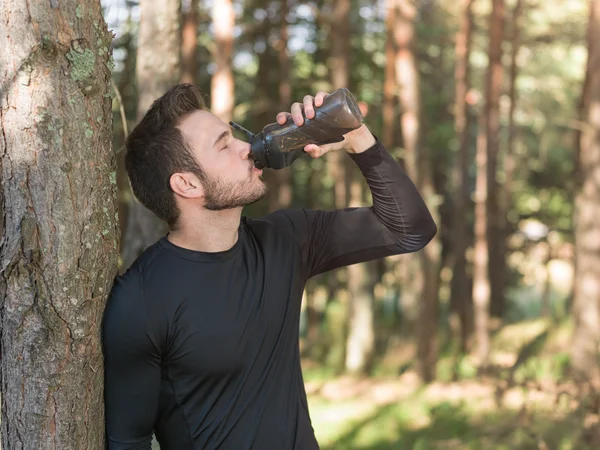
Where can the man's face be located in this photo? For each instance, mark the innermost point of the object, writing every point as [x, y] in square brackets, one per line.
[229, 179]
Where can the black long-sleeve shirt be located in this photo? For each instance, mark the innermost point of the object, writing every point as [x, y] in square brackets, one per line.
[202, 348]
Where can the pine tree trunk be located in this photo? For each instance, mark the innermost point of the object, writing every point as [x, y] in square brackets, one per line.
[481, 281]
[460, 299]
[222, 89]
[424, 266]
[389, 83]
[59, 234]
[505, 194]
[586, 300]
[189, 42]
[496, 258]
[486, 193]
[158, 69]
[283, 197]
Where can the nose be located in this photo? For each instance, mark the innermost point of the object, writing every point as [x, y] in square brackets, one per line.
[244, 149]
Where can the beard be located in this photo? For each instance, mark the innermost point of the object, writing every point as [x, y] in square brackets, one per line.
[222, 194]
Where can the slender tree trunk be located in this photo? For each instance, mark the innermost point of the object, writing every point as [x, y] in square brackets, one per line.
[222, 88]
[389, 83]
[283, 197]
[496, 259]
[461, 301]
[359, 339]
[586, 300]
[59, 234]
[424, 265]
[481, 282]
[486, 206]
[505, 194]
[189, 42]
[158, 69]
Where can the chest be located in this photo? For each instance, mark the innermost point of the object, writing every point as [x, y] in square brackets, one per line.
[229, 315]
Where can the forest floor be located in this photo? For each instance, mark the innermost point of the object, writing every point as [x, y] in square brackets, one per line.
[525, 401]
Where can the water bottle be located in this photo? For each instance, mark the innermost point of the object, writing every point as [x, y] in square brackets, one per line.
[277, 146]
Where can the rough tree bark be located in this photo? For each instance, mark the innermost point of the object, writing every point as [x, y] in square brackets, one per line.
[158, 69]
[222, 90]
[59, 234]
[424, 265]
[460, 299]
[586, 299]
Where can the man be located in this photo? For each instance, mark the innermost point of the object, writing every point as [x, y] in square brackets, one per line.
[201, 333]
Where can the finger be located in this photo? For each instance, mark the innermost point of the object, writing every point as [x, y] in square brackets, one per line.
[313, 150]
[283, 117]
[320, 97]
[309, 107]
[297, 114]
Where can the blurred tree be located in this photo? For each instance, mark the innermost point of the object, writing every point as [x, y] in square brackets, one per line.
[158, 67]
[496, 256]
[283, 188]
[59, 230]
[424, 267]
[460, 297]
[504, 227]
[389, 84]
[586, 301]
[222, 93]
[189, 42]
[486, 200]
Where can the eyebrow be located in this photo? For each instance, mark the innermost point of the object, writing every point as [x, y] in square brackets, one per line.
[222, 136]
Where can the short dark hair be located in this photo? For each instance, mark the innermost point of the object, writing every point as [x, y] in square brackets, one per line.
[156, 149]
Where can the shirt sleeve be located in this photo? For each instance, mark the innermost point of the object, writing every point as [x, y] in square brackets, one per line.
[132, 368]
[398, 222]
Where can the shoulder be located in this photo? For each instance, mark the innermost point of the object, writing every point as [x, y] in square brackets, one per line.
[292, 222]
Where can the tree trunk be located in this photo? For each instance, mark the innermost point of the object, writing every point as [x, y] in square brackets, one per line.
[389, 83]
[189, 42]
[505, 202]
[283, 197]
[158, 69]
[496, 257]
[481, 281]
[424, 266]
[222, 90]
[586, 300]
[460, 299]
[486, 208]
[59, 235]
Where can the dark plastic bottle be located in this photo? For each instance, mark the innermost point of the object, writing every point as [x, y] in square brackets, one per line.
[278, 146]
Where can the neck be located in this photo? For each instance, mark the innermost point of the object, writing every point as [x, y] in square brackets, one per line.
[207, 231]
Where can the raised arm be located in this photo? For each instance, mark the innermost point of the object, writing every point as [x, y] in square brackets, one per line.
[398, 222]
[132, 368]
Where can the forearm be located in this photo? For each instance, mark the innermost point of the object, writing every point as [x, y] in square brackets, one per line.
[396, 201]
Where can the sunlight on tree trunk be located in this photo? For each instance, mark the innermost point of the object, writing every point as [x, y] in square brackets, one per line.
[59, 234]
[586, 302]
[158, 69]
[222, 89]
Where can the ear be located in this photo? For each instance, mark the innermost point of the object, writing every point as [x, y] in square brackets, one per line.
[186, 185]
